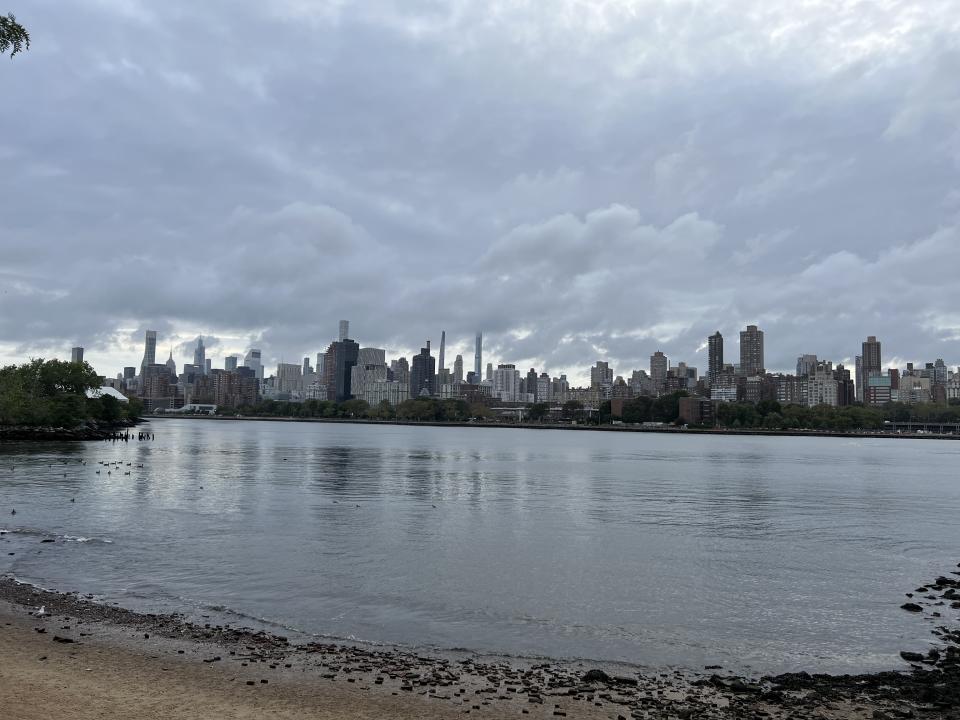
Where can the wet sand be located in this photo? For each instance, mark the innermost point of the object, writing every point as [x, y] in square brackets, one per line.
[82, 659]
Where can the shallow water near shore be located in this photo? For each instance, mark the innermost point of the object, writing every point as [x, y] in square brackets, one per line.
[767, 554]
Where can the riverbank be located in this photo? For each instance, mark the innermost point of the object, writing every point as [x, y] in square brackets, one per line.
[89, 431]
[103, 661]
[669, 429]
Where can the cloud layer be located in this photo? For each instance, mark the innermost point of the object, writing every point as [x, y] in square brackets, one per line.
[580, 180]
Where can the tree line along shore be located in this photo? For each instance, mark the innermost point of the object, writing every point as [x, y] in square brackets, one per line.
[54, 399]
[59, 400]
[643, 413]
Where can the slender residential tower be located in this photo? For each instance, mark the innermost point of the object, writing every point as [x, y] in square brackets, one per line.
[478, 358]
[443, 345]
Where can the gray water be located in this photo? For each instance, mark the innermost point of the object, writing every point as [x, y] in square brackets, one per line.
[762, 553]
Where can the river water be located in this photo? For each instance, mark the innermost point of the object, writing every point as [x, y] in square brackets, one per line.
[758, 553]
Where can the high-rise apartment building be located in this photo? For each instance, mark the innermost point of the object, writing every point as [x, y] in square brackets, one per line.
[861, 385]
[372, 356]
[401, 372]
[478, 356]
[506, 383]
[659, 365]
[601, 375]
[715, 357]
[230, 363]
[821, 385]
[443, 349]
[289, 378]
[76, 355]
[490, 372]
[751, 351]
[871, 357]
[344, 330]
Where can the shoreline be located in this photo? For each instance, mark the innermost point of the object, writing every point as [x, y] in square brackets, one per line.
[132, 664]
[16, 433]
[670, 430]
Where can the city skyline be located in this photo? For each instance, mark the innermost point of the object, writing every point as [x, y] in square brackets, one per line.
[749, 348]
[617, 199]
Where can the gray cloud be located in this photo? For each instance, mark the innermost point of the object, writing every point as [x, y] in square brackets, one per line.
[596, 179]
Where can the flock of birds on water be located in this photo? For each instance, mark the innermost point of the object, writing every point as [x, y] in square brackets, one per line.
[111, 465]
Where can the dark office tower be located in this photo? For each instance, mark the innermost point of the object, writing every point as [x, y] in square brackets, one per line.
[129, 373]
[443, 348]
[751, 351]
[871, 358]
[422, 373]
[478, 357]
[338, 363]
[715, 361]
[531, 384]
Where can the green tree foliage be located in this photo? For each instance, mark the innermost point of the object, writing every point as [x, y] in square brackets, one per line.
[53, 393]
[538, 412]
[13, 36]
[665, 409]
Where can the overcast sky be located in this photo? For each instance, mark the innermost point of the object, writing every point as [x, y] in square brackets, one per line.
[580, 179]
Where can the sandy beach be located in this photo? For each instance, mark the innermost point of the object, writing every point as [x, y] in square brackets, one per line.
[81, 659]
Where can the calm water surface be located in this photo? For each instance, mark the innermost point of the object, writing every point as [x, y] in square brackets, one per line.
[765, 553]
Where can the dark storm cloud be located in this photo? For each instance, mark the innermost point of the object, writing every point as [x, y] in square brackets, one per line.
[585, 180]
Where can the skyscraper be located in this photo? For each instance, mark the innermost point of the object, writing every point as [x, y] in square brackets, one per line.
[200, 356]
[149, 350]
[530, 386]
[340, 359]
[76, 355]
[230, 362]
[171, 364]
[458, 370]
[490, 372]
[806, 364]
[252, 361]
[715, 357]
[478, 357]
[871, 357]
[344, 330]
[751, 351]
[443, 348]
[658, 371]
[422, 372]
[860, 385]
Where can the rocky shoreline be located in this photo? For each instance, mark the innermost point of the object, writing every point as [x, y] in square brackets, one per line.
[929, 686]
[88, 431]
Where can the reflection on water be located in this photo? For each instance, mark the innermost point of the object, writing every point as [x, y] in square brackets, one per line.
[776, 553]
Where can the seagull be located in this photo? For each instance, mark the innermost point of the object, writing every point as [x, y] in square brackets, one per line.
[42, 612]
